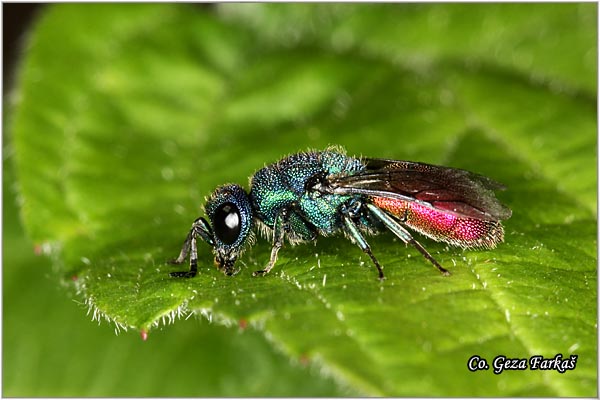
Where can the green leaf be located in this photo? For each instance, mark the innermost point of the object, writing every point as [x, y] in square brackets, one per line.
[114, 159]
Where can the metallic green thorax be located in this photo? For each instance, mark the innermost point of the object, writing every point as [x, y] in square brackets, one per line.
[284, 183]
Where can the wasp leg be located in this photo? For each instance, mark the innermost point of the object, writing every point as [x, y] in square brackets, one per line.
[193, 259]
[353, 210]
[404, 235]
[281, 227]
[199, 228]
[360, 240]
[185, 249]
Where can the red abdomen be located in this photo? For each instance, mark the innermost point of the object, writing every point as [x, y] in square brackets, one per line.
[442, 225]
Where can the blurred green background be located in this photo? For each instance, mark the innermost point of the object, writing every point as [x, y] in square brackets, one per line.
[121, 130]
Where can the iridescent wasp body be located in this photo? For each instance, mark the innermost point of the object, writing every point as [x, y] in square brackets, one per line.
[317, 193]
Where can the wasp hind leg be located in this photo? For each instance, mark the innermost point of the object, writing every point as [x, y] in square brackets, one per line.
[405, 236]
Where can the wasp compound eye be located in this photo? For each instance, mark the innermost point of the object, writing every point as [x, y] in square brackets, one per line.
[226, 223]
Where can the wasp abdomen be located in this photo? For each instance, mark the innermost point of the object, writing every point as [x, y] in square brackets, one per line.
[444, 226]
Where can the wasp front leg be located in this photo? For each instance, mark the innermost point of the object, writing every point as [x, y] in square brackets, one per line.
[200, 228]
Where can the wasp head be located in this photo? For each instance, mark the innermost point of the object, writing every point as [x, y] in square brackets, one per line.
[230, 214]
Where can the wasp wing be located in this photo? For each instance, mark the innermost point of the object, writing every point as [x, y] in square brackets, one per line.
[452, 190]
